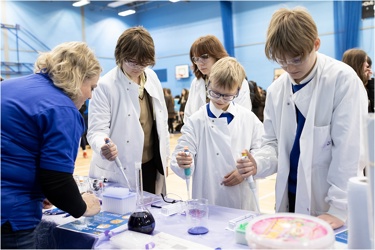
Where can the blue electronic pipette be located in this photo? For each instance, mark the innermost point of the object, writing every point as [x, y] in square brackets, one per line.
[187, 173]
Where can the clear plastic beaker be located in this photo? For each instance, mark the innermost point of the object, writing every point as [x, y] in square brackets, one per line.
[197, 216]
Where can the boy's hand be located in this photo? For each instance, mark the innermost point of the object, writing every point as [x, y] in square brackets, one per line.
[333, 221]
[248, 166]
[232, 179]
[183, 160]
[109, 150]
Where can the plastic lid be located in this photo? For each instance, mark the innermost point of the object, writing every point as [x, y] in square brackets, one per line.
[116, 192]
[289, 230]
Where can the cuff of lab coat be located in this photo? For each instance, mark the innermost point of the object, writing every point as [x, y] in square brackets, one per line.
[341, 214]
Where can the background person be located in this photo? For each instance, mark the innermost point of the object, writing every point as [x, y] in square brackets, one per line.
[204, 52]
[370, 85]
[182, 101]
[311, 114]
[129, 108]
[169, 101]
[40, 131]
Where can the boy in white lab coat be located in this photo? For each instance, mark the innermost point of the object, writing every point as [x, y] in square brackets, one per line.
[312, 122]
[216, 135]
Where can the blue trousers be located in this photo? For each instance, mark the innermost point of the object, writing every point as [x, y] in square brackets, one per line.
[23, 239]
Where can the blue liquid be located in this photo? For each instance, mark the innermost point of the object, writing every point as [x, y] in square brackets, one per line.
[142, 222]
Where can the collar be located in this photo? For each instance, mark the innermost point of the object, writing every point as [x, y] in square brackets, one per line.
[217, 112]
[309, 76]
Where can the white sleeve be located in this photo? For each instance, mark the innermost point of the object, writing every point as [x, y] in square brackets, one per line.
[99, 119]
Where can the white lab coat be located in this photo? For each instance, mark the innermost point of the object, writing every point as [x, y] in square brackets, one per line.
[114, 112]
[197, 96]
[330, 143]
[215, 147]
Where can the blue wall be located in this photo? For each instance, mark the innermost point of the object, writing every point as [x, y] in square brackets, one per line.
[174, 28]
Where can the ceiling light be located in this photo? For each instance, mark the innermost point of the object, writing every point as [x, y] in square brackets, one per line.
[81, 3]
[119, 3]
[174, 1]
[126, 12]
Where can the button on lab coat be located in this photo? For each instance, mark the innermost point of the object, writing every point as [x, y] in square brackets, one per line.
[114, 112]
[330, 143]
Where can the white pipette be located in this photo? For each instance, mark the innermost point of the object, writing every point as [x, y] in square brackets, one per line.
[119, 165]
[187, 174]
[251, 182]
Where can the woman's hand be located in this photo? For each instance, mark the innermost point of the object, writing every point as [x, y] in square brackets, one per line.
[92, 203]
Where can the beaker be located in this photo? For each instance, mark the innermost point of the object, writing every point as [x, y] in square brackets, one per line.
[197, 216]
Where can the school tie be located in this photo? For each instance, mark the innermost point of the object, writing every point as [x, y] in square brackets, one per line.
[229, 116]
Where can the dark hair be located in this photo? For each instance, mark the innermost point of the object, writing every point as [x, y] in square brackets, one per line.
[355, 58]
[206, 45]
[135, 44]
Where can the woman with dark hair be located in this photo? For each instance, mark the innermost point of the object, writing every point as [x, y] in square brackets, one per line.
[204, 53]
[358, 60]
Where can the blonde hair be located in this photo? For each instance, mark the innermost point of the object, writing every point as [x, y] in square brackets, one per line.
[290, 32]
[135, 44]
[68, 65]
[227, 73]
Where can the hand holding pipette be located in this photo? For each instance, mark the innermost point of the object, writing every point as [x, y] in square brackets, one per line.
[249, 160]
[119, 165]
[187, 173]
[246, 165]
[109, 150]
[184, 161]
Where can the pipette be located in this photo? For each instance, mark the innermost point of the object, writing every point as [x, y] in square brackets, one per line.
[187, 173]
[119, 165]
[251, 182]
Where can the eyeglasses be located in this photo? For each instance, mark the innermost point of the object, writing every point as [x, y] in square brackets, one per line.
[203, 58]
[213, 94]
[135, 65]
[294, 61]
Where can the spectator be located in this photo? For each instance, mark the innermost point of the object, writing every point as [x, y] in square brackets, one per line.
[258, 99]
[169, 101]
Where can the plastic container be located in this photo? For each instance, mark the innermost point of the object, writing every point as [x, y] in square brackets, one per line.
[118, 200]
[241, 233]
[289, 231]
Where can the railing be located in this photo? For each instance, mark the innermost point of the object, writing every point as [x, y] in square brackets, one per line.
[21, 35]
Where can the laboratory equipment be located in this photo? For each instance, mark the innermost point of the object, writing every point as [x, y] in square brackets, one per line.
[252, 184]
[197, 216]
[119, 165]
[289, 231]
[118, 200]
[173, 208]
[187, 174]
[141, 220]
